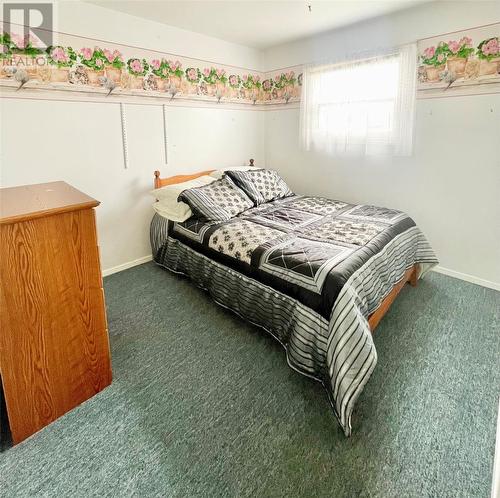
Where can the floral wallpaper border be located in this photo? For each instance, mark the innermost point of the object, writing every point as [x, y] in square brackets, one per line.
[467, 61]
[462, 62]
[83, 66]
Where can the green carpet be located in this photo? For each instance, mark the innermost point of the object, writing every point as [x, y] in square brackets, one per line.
[203, 404]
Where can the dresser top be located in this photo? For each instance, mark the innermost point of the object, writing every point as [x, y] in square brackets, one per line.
[35, 201]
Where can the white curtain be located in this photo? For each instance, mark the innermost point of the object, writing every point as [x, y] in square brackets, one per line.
[361, 107]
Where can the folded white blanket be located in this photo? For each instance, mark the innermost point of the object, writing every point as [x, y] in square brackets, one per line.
[167, 204]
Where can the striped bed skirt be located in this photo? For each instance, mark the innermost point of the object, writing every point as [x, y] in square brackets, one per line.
[338, 352]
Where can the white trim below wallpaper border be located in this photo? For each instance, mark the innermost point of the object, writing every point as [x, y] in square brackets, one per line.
[439, 269]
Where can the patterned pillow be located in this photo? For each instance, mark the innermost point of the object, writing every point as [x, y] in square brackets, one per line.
[261, 185]
[218, 201]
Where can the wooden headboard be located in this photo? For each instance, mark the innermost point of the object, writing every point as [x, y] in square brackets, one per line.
[172, 180]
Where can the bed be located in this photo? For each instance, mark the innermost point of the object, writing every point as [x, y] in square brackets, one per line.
[317, 274]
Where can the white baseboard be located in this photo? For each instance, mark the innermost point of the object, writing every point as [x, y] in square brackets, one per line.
[495, 487]
[468, 278]
[125, 266]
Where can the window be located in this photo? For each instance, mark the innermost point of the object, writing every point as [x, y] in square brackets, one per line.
[361, 107]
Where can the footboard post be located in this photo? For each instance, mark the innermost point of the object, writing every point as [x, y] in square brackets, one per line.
[410, 276]
[414, 276]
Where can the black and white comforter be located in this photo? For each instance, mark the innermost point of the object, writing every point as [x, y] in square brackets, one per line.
[310, 271]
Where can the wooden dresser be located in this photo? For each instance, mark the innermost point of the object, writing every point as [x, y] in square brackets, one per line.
[54, 348]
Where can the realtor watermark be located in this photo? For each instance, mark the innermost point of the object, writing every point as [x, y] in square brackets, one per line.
[27, 33]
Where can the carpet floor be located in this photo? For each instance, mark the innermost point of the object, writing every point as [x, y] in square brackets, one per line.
[203, 404]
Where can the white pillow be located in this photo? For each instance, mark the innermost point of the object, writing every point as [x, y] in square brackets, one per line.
[168, 206]
[179, 213]
[219, 173]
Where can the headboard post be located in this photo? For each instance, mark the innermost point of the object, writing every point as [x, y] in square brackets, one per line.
[157, 179]
[252, 162]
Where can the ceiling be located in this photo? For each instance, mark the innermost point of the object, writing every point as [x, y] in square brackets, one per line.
[259, 23]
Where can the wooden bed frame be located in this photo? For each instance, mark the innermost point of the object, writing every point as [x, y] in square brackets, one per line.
[410, 276]
[172, 180]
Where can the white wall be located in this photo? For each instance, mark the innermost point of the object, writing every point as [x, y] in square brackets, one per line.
[426, 20]
[84, 19]
[81, 143]
[451, 185]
